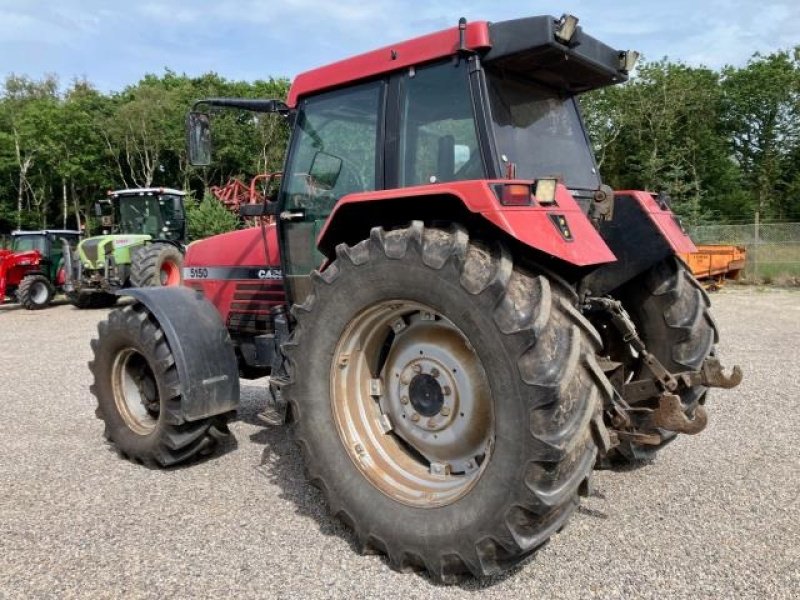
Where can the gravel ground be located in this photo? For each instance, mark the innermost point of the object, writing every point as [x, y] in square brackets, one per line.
[716, 515]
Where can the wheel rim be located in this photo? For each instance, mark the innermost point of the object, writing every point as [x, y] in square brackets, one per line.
[411, 403]
[170, 273]
[39, 293]
[135, 391]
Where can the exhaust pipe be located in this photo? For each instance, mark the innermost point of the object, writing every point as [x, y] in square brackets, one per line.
[66, 251]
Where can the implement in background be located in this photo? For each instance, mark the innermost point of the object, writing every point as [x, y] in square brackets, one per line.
[712, 264]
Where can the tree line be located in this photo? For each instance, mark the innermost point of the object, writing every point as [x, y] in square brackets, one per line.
[722, 143]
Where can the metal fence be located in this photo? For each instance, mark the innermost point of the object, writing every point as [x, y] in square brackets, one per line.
[773, 249]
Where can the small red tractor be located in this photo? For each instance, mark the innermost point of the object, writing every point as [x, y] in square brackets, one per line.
[32, 271]
[459, 318]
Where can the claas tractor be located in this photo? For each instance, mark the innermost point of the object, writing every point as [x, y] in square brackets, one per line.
[458, 317]
[141, 245]
[32, 271]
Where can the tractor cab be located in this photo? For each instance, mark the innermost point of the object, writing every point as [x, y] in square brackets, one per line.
[157, 212]
[49, 245]
[481, 102]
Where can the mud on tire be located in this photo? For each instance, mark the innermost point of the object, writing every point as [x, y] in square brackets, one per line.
[546, 393]
[156, 265]
[139, 395]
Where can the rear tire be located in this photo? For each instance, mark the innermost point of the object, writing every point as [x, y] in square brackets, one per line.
[156, 265]
[139, 394]
[541, 404]
[35, 292]
[672, 313]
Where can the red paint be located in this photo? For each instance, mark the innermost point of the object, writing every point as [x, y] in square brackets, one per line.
[530, 225]
[241, 249]
[664, 220]
[378, 62]
[13, 268]
[172, 274]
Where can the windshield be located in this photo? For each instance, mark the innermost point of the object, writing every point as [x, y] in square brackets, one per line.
[23, 243]
[540, 131]
[149, 214]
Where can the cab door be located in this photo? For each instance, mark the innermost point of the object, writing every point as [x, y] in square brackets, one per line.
[335, 151]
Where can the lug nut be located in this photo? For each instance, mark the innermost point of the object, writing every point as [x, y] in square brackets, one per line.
[446, 390]
[415, 417]
[434, 372]
[445, 411]
[404, 400]
[417, 368]
[431, 422]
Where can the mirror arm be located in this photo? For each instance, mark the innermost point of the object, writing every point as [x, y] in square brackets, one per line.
[264, 106]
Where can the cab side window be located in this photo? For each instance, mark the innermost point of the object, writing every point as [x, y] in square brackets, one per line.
[335, 148]
[438, 139]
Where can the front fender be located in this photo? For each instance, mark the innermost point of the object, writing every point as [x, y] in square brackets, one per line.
[203, 351]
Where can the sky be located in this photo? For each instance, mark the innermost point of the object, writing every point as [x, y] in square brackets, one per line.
[113, 44]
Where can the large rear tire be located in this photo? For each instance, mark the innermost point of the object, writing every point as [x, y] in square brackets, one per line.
[672, 313]
[139, 394]
[156, 265]
[447, 402]
[35, 292]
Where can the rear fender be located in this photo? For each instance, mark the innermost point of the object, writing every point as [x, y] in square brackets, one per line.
[203, 351]
[561, 230]
[642, 233]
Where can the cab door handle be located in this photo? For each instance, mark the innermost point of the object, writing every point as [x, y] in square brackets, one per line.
[292, 215]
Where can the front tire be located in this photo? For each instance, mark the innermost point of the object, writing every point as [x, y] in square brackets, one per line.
[139, 394]
[423, 304]
[35, 292]
[157, 265]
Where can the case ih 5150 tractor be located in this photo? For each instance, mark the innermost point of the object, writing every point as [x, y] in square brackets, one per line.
[141, 246]
[33, 270]
[476, 320]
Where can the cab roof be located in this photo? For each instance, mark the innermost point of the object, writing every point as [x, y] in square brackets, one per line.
[527, 46]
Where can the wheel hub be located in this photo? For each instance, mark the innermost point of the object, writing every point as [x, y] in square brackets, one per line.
[135, 391]
[426, 394]
[412, 403]
[39, 294]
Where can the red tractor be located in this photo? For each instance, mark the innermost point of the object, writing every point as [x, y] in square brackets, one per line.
[32, 271]
[459, 318]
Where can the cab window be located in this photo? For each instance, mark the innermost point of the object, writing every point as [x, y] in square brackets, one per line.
[438, 138]
[24, 243]
[335, 149]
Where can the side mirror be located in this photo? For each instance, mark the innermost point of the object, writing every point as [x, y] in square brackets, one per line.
[325, 170]
[198, 138]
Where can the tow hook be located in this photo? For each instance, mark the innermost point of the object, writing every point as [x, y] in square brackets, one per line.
[714, 376]
[670, 416]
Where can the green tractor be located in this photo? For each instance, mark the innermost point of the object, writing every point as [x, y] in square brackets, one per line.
[142, 245]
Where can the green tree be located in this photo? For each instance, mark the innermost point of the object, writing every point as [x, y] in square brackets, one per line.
[762, 120]
[208, 217]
